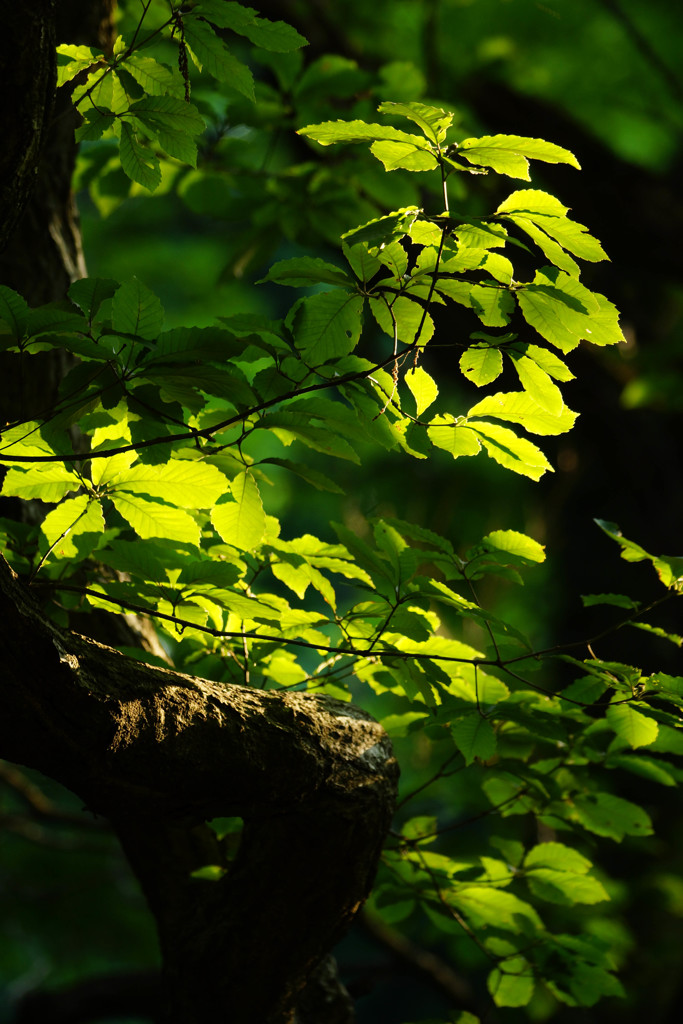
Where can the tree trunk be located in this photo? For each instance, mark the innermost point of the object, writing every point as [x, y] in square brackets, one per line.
[160, 753]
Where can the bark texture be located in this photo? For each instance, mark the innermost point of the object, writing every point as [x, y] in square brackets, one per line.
[27, 49]
[159, 753]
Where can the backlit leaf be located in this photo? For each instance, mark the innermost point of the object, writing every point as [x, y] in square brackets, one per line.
[422, 387]
[153, 519]
[453, 436]
[634, 728]
[481, 364]
[240, 520]
[432, 120]
[510, 154]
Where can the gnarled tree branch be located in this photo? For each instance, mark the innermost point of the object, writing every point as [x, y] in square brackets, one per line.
[159, 754]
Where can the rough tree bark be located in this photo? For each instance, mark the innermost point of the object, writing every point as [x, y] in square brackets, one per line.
[159, 753]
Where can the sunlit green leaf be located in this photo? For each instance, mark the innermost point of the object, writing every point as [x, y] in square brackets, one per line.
[510, 450]
[73, 528]
[153, 519]
[481, 364]
[423, 388]
[634, 728]
[330, 132]
[432, 120]
[240, 520]
[46, 482]
[453, 435]
[510, 154]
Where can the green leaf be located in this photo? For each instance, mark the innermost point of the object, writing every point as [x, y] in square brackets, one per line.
[290, 426]
[208, 873]
[328, 325]
[564, 312]
[413, 324]
[433, 121]
[631, 552]
[559, 874]
[422, 388]
[510, 154]
[618, 600]
[271, 35]
[153, 519]
[520, 407]
[383, 230]
[137, 310]
[634, 728]
[650, 768]
[329, 132]
[13, 313]
[610, 816]
[481, 234]
[94, 124]
[511, 451]
[474, 737]
[155, 78]
[481, 364]
[493, 305]
[25, 439]
[179, 482]
[305, 271]
[361, 262]
[548, 361]
[172, 122]
[211, 54]
[210, 574]
[312, 476]
[604, 323]
[548, 246]
[453, 435]
[106, 93]
[486, 906]
[139, 163]
[549, 214]
[558, 857]
[517, 544]
[48, 483]
[71, 60]
[537, 383]
[406, 155]
[241, 521]
[513, 986]
[395, 257]
[674, 638]
[90, 292]
[73, 528]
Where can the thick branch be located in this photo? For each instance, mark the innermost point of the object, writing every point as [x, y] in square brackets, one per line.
[159, 753]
